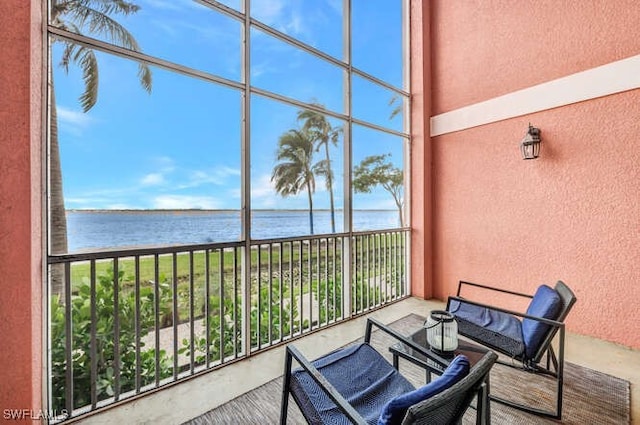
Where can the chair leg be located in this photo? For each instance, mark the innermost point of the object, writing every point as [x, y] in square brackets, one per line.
[483, 407]
[480, 405]
[558, 363]
[286, 381]
[485, 401]
[560, 372]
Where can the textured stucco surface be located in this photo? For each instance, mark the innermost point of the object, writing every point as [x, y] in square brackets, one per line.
[490, 48]
[20, 232]
[421, 225]
[574, 213]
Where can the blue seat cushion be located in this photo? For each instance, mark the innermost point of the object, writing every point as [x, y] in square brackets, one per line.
[546, 303]
[494, 328]
[396, 408]
[360, 374]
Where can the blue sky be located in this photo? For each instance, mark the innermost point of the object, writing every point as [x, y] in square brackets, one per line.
[179, 146]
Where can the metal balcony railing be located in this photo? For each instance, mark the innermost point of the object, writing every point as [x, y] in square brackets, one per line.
[130, 321]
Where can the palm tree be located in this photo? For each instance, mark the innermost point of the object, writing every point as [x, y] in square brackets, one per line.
[322, 134]
[87, 17]
[295, 170]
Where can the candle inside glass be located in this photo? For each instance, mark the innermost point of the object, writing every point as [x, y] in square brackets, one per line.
[443, 343]
[442, 331]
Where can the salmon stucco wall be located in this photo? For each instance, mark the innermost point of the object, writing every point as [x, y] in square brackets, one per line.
[574, 213]
[483, 49]
[420, 158]
[20, 206]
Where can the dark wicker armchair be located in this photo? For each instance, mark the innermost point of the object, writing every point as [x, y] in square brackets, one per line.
[525, 337]
[358, 385]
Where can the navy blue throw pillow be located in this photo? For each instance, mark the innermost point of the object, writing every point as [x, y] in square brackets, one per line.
[394, 411]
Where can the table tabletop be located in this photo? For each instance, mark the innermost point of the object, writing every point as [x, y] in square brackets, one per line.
[473, 351]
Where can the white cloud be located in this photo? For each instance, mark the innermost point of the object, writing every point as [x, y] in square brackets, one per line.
[262, 187]
[294, 26]
[121, 206]
[173, 5]
[275, 14]
[152, 179]
[369, 202]
[263, 193]
[164, 163]
[84, 202]
[268, 10]
[73, 117]
[217, 176]
[186, 202]
[168, 29]
[259, 69]
[73, 121]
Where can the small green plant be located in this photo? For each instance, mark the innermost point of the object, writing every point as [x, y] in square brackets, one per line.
[329, 296]
[232, 335]
[267, 324]
[105, 335]
[361, 298]
[273, 319]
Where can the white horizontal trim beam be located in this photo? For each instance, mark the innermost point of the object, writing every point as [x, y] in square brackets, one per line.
[614, 77]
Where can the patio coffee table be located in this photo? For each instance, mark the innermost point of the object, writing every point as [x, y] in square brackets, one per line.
[474, 353]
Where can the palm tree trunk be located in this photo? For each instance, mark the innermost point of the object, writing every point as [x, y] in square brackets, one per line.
[57, 213]
[310, 208]
[330, 187]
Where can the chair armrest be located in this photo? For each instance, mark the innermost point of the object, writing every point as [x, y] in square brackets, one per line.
[417, 347]
[324, 384]
[490, 288]
[554, 323]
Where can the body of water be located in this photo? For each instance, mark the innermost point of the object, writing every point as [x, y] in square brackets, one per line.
[110, 229]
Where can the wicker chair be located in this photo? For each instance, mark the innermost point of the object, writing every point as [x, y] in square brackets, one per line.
[525, 337]
[358, 385]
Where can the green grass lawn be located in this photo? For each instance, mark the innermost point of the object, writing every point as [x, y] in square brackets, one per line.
[194, 266]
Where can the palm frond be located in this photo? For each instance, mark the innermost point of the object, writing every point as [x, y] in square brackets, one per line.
[100, 23]
[67, 54]
[86, 59]
[92, 16]
[112, 6]
[318, 126]
[145, 77]
[294, 171]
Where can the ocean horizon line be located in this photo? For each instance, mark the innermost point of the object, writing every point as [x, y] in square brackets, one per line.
[186, 210]
[100, 228]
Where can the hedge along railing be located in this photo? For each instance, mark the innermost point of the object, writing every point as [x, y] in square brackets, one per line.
[143, 318]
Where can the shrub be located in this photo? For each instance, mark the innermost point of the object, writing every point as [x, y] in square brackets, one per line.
[104, 342]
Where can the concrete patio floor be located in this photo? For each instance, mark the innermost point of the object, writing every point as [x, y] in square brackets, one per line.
[197, 396]
[589, 352]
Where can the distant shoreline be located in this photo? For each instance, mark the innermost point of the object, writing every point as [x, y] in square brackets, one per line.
[95, 228]
[198, 210]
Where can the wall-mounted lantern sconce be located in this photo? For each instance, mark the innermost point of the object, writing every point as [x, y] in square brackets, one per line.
[530, 144]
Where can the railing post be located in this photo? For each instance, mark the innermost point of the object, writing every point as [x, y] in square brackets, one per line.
[245, 153]
[347, 257]
[245, 273]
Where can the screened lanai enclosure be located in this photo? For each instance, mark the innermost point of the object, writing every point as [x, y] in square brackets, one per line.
[222, 177]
